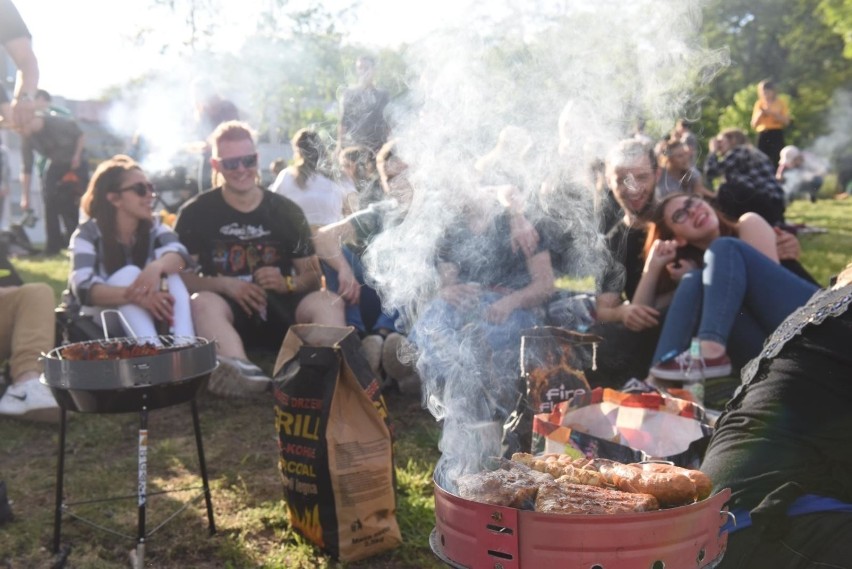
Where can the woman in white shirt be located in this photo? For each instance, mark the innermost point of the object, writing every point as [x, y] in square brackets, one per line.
[323, 200]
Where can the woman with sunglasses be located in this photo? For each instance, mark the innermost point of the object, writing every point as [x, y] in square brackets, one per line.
[732, 291]
[121, 251]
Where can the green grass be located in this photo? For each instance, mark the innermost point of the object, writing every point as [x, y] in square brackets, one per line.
[825, 254]
[241, 450]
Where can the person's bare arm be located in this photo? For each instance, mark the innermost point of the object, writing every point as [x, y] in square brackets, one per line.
[328, 241]
[534, 294]
[77, 159]
[250, 297]
[755, 231]
[787, 245]
[26, 183]
[26, 83]
[308, 275]
[635, 317]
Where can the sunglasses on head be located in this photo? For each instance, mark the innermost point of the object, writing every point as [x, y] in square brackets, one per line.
[680, 214]
[248, 161]
[141, 189]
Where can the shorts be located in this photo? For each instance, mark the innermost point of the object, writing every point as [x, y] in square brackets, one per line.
[268, 334]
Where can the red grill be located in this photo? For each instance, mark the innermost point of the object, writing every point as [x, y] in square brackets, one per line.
[472, 535]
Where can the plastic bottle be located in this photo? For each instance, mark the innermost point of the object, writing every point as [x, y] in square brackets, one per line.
[696, 388]
[162, 326]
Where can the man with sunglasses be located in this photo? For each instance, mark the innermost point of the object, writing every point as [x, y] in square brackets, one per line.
[258, 272]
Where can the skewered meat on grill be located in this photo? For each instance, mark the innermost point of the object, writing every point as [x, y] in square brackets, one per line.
[513, 485]
[108, 350]
[563, 497]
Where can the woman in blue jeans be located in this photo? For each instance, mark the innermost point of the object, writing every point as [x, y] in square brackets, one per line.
[734, 297]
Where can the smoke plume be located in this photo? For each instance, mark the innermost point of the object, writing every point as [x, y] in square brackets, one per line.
[575, 78]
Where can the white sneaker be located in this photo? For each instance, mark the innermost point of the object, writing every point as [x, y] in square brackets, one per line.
[234, 377]
[30, 400]
[372, 348]
[397, 356]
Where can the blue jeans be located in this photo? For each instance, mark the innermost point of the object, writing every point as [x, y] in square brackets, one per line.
[368, 313]
[738, 299]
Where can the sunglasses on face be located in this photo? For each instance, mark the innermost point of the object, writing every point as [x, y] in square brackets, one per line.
[248, 161]
[680, 214]
[141, 189]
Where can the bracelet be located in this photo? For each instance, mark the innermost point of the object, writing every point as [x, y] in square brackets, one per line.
[291, 286]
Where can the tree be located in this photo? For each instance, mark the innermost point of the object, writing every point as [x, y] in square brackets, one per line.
[837, 14]
[787, 40]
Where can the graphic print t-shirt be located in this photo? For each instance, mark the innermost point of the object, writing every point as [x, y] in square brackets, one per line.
[235, 244]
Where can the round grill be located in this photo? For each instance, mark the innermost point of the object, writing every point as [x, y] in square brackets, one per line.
[178, 368]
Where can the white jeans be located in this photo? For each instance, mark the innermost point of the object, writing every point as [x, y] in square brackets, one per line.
[139, 320]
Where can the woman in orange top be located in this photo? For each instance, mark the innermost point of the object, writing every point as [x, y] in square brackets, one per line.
[768, 119]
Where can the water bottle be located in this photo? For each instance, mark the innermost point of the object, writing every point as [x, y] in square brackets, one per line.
[162, 326]
[696, 388]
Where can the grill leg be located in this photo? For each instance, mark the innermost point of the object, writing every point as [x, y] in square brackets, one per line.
[142, 489]
[60, 473]
[203, 467]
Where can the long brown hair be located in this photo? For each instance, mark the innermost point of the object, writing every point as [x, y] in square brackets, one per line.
[658, 228]
[310, 155]
[108, 177]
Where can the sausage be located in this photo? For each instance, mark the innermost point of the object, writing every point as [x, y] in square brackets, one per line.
[703, 484]
[558, 465]
[669, 488]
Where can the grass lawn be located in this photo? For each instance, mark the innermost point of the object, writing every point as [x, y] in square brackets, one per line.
[241, 452]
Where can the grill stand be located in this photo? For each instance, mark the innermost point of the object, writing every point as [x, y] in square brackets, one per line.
[137, 555]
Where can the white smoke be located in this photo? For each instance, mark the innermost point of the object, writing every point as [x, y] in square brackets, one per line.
[836, 144]
[584, 71]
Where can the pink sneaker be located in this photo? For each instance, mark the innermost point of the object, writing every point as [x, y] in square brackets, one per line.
[684, 367]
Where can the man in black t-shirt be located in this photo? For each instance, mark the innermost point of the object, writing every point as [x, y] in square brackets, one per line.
[630, 330]
[258, 272]
[362, 111]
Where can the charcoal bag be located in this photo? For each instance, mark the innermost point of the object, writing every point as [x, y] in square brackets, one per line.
[335, 444]
[552, 363]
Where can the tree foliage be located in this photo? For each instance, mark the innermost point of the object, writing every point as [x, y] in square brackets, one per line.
[837, 14]
[296, 63]
[797, 43]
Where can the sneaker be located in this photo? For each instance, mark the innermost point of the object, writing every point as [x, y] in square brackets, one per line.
[235, 377]
[395, 361]
[686, 368]
[372, 347]
[30, 400]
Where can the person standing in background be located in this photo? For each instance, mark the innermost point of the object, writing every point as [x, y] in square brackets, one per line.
[362, 110]
[211, 110]
[60, 140]
[769, 118]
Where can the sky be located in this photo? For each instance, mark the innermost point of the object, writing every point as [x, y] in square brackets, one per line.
[85, 46]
